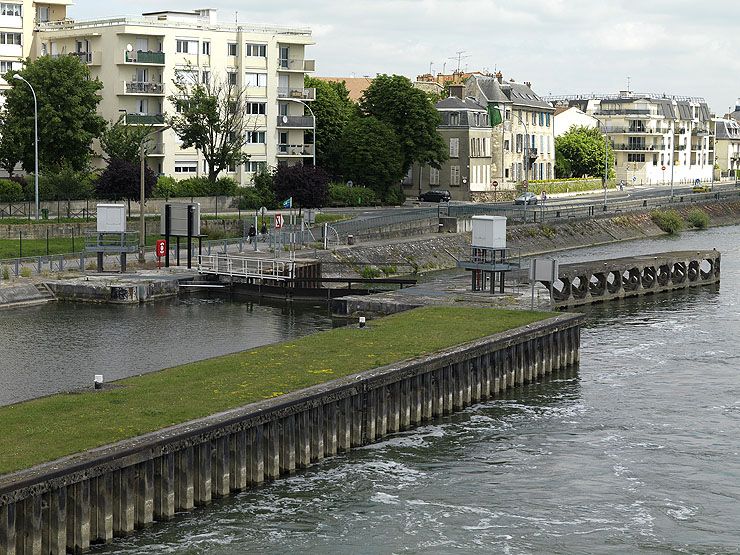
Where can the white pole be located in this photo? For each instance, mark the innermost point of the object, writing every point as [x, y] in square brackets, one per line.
[35, 141]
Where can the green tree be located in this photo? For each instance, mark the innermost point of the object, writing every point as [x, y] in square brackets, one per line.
[67, 112]
[394, 100]
[580, 152]
[371, 155]
[212, 117]
[121, 141]
[332, 109]
[121, 180]
[11, 149]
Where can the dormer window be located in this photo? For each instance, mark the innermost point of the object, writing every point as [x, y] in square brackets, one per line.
[454, 118]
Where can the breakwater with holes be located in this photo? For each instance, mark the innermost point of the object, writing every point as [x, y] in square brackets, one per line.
[88, 498]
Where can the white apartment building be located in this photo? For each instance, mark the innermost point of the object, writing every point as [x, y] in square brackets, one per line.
[527, 121]
[656, 138]
[137, 60]
[17, 22]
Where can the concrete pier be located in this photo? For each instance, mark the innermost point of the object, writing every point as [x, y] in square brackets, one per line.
[92, 497]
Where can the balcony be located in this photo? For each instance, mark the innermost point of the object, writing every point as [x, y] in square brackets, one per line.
[623, 112]
[155, 150]
[292, 64]
[298, 93]
[146, 57]
[295, 150]
[637, 147]
[295, 122]
[145, 119]
[143, 87]
[634, 131]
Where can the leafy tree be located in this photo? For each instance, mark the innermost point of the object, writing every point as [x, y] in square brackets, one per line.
[394, 100]
[580, 152]
[121, 141]
[67, 112]
[307, 185]
[332, 109]
[371, 155]
[10, 146]
[121, 180]
[212, 117]
[10, 191]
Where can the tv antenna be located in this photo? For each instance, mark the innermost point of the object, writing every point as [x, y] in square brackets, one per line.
[459, 57]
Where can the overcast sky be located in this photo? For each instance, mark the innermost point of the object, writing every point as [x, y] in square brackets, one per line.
[676, 47]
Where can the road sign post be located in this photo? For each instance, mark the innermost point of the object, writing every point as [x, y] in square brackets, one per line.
[160, 250]
[494, 184]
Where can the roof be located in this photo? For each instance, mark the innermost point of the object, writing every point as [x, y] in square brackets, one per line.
[455, 103]
[519, 94]
[727, 129]
[560, 109]
[355, 85]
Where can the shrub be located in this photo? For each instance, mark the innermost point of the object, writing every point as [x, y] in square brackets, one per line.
[669, 221]
[10, 191]
[698, 219]
[370, 272]
[26, 272]
[343, 195]
[165, 188]
[6, 273]
[394, 196]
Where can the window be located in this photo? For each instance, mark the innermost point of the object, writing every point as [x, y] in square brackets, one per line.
[506, 145]
[454, 147]
[15, 9]
[231, 49]
[542, 118]
[205, 77]
[42, 14]
[634, 157]
[255, 167]
[258, 50]
[10, 38]
[454, 175]
[255, 80]
[454, 118]
[186, 46]
[519, 142]
[231, 77]
[547, 120]
[207, 47]
[187, 76]
[5, 66]
[433, 176]
[256, 108]
[186, 166]
[256, 137]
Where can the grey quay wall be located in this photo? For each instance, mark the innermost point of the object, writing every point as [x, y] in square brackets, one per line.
[111, 491]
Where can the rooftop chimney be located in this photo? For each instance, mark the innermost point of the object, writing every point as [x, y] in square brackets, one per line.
[499, 76]
[737, 105]
[528, 83]
[457, 90]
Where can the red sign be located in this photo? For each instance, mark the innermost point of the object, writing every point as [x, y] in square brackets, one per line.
[161, 248]
[494, 183]
[662, 168]
[278, 221]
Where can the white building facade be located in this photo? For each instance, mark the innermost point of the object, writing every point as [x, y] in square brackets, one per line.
[572, 117]
[137, 60]
[657, 139]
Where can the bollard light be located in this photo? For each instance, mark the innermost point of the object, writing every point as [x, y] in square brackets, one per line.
[362, 321]
[98, 381]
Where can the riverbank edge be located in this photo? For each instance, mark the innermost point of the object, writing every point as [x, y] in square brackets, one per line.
[113, 489]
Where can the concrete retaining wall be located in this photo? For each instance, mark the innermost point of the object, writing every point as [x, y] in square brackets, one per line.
[21, 294]
[112, 491]
[119, 292]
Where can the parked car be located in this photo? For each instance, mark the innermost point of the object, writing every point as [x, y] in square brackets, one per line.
[435, 196]
[701, 188]
[526, 198]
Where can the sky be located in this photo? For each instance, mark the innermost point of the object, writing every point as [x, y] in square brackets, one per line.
[676, 47]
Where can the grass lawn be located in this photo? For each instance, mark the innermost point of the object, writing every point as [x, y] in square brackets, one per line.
[51, 427]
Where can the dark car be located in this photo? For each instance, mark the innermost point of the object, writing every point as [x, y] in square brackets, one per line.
[526, 198]
[435, 196]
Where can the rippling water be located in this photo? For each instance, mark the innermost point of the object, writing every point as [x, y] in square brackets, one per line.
[636, 451]
[61, 346]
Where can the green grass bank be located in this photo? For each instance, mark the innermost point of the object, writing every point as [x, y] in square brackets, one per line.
[51, 427]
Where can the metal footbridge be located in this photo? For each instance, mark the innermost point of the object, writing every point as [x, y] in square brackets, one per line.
[247, 267]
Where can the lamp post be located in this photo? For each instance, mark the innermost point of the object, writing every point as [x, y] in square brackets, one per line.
[526, 160]
[35, 140]
[606, 159]
[142, 193]
[313, 128]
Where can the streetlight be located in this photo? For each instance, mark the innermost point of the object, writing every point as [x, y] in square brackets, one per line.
[526, 160]
[606, 158]
[35, 140]
[313, 128]
[142, 193]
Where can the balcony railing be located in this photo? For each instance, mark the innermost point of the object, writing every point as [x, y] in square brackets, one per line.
[145, 119]
[297, 93]
[145, 57]
[623, 112]
[635, 131]
[143, 87]
[291, 64]
[641, 147]
[295, 150]
[305, 122]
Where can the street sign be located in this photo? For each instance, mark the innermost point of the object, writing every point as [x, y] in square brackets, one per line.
[263, 211]
[494, 184]
[662, 168]
[697, 181]
[634, 178]
[161, 248]
[278, 221]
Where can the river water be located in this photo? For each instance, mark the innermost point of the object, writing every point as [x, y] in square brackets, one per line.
[636, 451]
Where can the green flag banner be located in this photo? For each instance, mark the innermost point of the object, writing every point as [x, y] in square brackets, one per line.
[494, 115]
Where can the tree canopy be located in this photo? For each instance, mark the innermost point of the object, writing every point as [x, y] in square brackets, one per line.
[67, 114]
[121, 141]
[332, 109]
[121, 180]
[212, 117]
[394, 100]
[371, 155]
[307, 185]
[580, 152]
